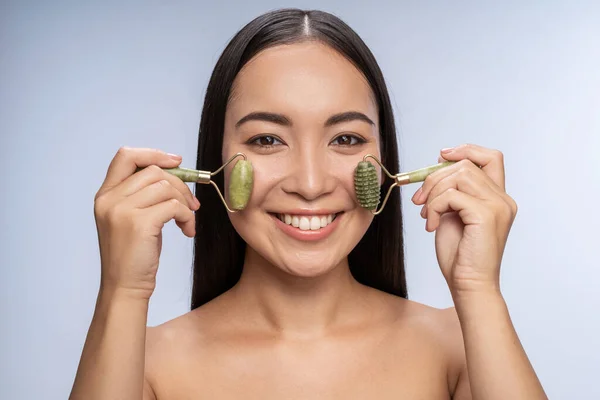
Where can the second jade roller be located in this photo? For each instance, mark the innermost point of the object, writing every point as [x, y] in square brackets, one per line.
[366, 183]
[241, 181]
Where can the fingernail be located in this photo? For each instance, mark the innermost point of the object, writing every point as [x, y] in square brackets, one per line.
[447, 150]
[197, 202]
[174, 156]
[423, 211]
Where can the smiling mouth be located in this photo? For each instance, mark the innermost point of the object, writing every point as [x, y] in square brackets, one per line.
[307, 222]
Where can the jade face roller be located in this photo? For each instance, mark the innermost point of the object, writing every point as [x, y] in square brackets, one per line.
[366, 183]
[241, 181]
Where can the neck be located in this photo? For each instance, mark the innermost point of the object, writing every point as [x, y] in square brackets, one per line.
[294, 305]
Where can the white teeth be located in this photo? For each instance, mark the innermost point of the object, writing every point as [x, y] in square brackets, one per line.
[315, 223]
[306, 223]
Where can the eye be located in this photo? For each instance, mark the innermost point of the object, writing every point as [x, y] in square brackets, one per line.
[347, 140]
[265, 141]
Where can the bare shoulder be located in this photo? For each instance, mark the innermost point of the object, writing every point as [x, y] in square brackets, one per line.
[442, 324]
[182, 335]
[167, 340]
[171, 344]
[443, 327]
[169, 334]
[177, 349]
[186, 336]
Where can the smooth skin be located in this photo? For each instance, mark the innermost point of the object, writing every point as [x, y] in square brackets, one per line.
[297, 325]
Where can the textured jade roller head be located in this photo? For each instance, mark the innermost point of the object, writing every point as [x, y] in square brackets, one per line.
[367, 187]
[241, 181]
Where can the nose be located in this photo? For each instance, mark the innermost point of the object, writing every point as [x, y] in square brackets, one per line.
[311, 175]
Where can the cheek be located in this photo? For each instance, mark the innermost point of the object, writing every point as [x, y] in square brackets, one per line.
[266, 177]
[345, 177]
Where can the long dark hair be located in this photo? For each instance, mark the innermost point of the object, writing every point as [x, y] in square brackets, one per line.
[378, 259]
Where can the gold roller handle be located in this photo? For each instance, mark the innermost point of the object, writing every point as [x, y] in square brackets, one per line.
[205, 177]
[418, 175]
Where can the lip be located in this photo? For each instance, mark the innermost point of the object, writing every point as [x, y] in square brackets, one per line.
[308, 236]
[305, 211]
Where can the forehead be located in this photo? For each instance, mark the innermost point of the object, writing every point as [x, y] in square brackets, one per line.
[307, 77]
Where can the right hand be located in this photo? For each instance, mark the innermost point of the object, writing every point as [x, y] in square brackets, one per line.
[131, 209]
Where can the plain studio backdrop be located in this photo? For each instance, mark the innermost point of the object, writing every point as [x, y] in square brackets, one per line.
[79, 80]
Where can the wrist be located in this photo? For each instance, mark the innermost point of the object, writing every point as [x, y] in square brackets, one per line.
[113, 293]
[479, 303]
[475, 291]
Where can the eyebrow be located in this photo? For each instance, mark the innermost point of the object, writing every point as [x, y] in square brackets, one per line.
[282, 120]
[278, 119]
[347, 117]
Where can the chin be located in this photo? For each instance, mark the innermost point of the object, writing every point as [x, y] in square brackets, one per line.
[309, 264]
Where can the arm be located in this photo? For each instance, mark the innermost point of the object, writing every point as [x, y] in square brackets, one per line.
[497, 365]
[466, 204]
[112, 362]
[131, 209]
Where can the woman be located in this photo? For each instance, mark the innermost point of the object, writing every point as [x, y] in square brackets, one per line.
[302, 294]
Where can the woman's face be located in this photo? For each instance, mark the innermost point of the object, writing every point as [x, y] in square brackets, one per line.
[305, 117]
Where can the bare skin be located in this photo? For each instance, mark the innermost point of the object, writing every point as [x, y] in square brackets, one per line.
[401, 349]
[297, 325]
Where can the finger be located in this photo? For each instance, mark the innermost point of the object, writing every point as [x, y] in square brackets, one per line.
[468, 180]
[151, 175]
[464, 168]
[421, 195]
[128, 159]
[470, 209]
[418, 196]
[173, 209]
[155, 193]
[491, 161]
[182, 226]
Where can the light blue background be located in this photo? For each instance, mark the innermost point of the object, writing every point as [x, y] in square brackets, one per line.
[79, 80]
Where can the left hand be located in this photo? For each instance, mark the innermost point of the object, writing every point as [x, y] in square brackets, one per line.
[472, 215]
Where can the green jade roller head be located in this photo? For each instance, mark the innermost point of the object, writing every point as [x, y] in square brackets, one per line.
[241, 181]
[367, 187]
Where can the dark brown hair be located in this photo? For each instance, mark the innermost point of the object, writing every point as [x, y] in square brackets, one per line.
[378, 259]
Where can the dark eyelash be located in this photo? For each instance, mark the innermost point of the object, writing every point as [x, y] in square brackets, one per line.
[360, 140]
[252, 141]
